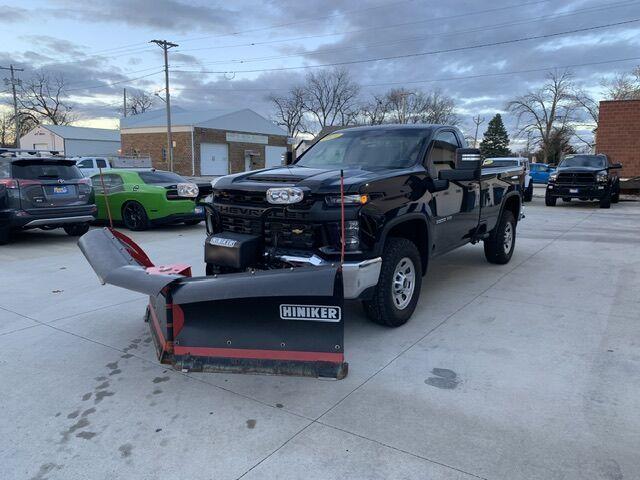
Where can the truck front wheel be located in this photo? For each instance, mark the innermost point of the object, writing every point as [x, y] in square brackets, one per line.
[550, 201]
[498, 248]
[398, 290]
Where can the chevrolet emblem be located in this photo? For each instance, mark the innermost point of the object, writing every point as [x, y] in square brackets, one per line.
[297, 231]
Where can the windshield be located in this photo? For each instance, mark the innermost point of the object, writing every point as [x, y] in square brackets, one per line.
[366, 149]
[593, 161]
[39, 170]
[497, 162]
[161, 177]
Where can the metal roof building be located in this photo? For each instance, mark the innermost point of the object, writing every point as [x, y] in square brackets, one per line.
[210, 142]
[72, 141]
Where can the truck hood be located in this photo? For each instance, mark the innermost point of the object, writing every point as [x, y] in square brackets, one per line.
[317, 180]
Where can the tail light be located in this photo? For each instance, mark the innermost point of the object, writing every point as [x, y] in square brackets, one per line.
[8, 183]
[85, 181]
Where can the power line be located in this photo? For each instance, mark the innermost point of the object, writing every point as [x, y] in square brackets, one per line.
[420, 37]
[111, 84]
[403, 24]
[298, 22]
[420, 54]
[441, 79]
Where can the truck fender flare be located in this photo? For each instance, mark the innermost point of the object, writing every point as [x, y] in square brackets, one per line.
[403, 219]
[505, 199]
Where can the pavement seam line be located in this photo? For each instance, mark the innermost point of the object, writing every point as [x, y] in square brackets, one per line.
[317, 420]
[398, 449]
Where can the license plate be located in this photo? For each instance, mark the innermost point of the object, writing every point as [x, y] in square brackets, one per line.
[60, 190]
[198, 210]
[573, 190]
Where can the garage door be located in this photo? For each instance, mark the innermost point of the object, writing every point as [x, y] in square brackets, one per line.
[273, 156]
[214, 159]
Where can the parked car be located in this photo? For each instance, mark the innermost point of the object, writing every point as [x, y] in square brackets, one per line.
[44, 193]
[527, 186]
[411, 193]
[587, 177]
[140, 199]
[540, 172]
[90, 166]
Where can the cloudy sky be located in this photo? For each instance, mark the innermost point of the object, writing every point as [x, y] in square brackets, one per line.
[232, 54]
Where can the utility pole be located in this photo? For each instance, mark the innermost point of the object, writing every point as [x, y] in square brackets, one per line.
[165, 47]
[478, 121]
[124, 99]
[14, 81]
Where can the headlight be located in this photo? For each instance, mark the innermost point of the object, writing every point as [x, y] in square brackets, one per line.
[553, 177]
[334, 200]
[602, 176]
[188, 190]
[284, 195]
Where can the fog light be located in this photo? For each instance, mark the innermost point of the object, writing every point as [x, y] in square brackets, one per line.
[351, 235]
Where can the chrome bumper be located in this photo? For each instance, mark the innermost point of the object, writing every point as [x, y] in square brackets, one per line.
[356, 276]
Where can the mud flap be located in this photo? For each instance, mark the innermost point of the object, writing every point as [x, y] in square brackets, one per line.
[277, 322]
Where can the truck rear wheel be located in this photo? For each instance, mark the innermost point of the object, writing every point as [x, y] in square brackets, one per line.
[528, 193]
[76, 229]
[498, 248]
[398, 290]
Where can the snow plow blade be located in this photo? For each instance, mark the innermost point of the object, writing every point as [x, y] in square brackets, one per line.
[276, 322]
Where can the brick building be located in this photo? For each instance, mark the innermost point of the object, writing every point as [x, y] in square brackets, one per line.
[210, 142]
[618, 134]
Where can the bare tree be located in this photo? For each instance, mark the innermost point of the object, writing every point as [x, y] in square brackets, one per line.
[139, 103]
[547, 112]
[625, 86]
[375, 111]
[290, 111]
[43, 97]
[6, 129]
[329, 96]
[407, 106]
[590, 108]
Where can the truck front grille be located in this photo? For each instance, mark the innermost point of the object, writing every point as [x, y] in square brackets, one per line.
[576, 178]
[240, 225]
[289, 235]
[280, 233]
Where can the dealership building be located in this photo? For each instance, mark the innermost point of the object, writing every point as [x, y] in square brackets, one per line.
[213, 142]
[618, 135]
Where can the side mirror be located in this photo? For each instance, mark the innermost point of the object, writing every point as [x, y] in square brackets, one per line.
[288, 157]
[468, 166]
[615, 166]
[459, 175]
[468, 159]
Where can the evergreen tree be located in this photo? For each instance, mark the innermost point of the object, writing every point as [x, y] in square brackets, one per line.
[495, 142]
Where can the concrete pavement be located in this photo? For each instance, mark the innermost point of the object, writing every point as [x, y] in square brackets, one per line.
[525, 371]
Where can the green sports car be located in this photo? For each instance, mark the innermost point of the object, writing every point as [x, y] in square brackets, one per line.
[140, 199]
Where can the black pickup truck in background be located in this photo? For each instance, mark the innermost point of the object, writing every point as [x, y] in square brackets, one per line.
[586, 177]
[411, 193]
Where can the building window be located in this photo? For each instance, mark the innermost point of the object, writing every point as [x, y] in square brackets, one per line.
[164, 154]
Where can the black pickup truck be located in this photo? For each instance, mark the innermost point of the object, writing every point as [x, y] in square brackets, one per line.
[586, 177]
[410, 193]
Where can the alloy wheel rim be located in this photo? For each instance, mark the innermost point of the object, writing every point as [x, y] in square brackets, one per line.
[508, 238]
[134, 215]
[404, 283]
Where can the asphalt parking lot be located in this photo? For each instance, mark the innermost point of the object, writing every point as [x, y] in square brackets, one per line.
[524, 371]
